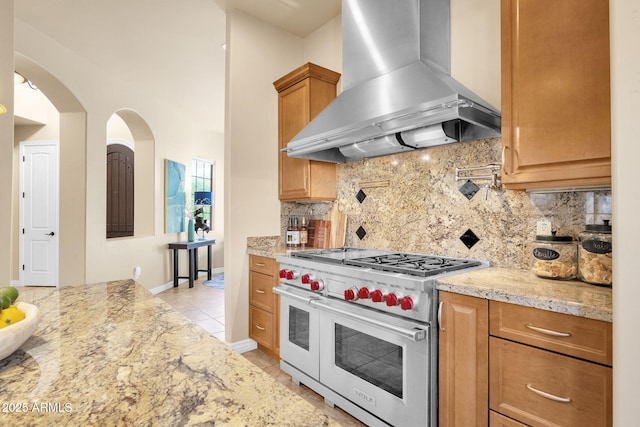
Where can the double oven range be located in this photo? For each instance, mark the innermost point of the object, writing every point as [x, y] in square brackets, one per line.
[359, 327]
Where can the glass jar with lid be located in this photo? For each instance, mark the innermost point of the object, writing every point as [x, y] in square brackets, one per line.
[555, 257]
[595, 255]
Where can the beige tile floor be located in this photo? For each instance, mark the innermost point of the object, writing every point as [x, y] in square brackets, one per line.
[204, 306]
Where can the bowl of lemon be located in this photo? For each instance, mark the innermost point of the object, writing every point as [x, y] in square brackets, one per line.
[18, 321]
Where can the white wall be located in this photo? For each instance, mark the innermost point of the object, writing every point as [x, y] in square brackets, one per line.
[6, 136]
[625, 97]
[257, 55]
[164, 74]
[475, 47]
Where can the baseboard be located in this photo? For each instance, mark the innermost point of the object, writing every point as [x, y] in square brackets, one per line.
[164, 287]
[169, 285]
[243, 346]
[215, 270]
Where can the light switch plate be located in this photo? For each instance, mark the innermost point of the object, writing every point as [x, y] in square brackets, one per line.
[543, 228]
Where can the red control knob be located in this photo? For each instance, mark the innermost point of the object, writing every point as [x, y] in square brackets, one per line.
[282, 273]
[349, 295]
[377, 296]
[406, 303]
[305, 278]
[363, 293]
[391, 300]
[316, 285]
[290, 275]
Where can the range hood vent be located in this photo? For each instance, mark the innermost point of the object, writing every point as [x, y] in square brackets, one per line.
[398, 94]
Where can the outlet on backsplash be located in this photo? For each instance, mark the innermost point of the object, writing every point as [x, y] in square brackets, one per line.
[543, 228]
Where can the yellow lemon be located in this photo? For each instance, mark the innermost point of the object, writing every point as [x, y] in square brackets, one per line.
[10, 315]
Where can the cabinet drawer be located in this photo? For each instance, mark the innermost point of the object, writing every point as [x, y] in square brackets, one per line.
[576, 336]
[499, 420]
[262, 264]
[261, 295]
[261, 327]
[578, 393]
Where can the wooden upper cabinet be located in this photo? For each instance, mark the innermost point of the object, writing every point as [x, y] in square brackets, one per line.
[302, 94]
[556, 126]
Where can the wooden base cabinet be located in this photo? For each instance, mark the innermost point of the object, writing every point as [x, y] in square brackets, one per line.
[506, 365]
[542, 370]
[302, 94]
[463, 360]
[264, 307]
[542, 388]
[499, 420]
[556, 126]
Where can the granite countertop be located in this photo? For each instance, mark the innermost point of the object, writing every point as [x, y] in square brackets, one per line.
[113, 354]
[522, 287]
[269, 251]
[511, 285]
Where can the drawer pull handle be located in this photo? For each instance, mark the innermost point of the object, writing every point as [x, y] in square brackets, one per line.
[549, 331]
[260, 291]
[260, 327]
[548, 395]
[261, 264]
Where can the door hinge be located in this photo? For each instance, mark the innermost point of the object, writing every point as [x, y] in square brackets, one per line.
[23, 194]
[22, 267]
[23, 231]
[24, 158]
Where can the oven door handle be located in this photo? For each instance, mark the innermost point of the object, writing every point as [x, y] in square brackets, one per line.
[413, 334]
[281, 291]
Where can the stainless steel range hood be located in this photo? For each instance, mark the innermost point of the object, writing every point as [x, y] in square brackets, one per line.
[398, 94]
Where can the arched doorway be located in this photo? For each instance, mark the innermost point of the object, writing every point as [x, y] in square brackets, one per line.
[72, 131]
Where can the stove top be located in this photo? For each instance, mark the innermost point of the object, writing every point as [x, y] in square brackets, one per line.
[414, 264]
[389, 261]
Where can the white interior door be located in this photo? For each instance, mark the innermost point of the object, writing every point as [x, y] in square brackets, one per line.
[39, 213]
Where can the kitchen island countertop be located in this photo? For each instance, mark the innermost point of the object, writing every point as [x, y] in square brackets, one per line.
[113, 354]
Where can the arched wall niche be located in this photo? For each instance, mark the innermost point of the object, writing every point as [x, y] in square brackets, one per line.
[139, 134]
[73, 140]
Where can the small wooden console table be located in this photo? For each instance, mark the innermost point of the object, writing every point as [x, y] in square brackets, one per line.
[192, 250]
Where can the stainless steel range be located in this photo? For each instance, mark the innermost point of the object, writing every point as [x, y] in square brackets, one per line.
[358, 326]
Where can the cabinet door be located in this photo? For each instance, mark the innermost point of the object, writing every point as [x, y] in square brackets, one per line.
[555, 93]
[261, 294]
[463, 360]
[541, 388]
[294, 115]
[575, 336]
[262, 327]
[499, 420]
[302, 94]
[263, 265]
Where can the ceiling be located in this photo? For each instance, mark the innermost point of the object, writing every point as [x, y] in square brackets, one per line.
[299, 17]
[109, 40]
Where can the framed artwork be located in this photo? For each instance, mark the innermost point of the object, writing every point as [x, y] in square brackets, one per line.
[175, 197]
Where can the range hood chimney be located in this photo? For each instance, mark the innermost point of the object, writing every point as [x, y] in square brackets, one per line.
[398, 94]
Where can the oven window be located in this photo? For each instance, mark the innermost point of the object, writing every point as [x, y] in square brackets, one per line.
[369, 358]
[299, 327]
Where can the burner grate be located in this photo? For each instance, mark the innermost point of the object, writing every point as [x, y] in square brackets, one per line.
[413, 264]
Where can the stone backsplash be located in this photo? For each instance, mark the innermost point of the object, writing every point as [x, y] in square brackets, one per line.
[413, 203]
